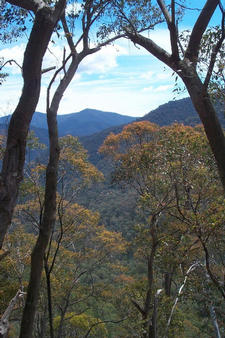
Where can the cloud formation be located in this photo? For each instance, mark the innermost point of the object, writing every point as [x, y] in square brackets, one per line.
[119, 78]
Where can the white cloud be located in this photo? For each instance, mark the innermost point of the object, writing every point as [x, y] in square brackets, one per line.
[148, 89]
[163, 88]
[147, 75]
[102, 61]
[106, 80]
[162, 38]
[73, 8]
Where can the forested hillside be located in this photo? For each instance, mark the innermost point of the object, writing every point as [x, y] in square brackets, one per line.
[85, 122]
[111, 226]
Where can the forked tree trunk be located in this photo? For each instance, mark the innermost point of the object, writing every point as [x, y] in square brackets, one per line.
[49, 216]
[46, 225]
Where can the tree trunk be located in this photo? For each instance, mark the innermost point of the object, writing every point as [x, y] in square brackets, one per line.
[49, 217]
[186, 70]
[49, 295]
[148, 323]
[168, 282]
[214, 320]
[14, 157]
[206, 111]
[37, 256]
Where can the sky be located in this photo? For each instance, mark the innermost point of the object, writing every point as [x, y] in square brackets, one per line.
[120, 78]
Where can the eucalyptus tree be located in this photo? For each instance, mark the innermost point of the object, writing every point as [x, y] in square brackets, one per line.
[89, 14]
[174, 173]
[46, 17]
[185, 59]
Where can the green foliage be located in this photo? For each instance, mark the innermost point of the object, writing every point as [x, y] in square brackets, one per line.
[182, 205]
[3, 75]
[133, 15]
[212, 46]
[179, 206]
[12, 22]
[79, 324]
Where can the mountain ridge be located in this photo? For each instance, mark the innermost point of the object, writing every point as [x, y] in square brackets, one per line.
[180, 111]
[86, 122]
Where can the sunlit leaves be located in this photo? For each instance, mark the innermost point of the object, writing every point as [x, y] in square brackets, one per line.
[180, 199]
[79, 325]
[73, 159]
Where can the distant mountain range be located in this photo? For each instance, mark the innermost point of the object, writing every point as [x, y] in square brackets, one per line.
[92, 126]
[180, 111]
[85, 122]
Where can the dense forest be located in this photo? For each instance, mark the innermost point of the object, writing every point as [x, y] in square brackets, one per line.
[119, 233]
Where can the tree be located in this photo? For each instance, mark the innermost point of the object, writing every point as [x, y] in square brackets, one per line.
[78, 245]
[46, 18]
[90, 12]
[173, 171]
[185, 62]
[73, 153]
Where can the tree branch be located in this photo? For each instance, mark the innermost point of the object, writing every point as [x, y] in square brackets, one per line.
[138, 307]
[4, 321]
[151, 47]
[103, 322]
[68, 34]
[208, 268]
[191, 268]
[199, 29]
[30, 5]
[10, 62]
[214, 53]
[165, 12]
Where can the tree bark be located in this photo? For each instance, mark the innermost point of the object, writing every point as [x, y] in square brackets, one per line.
[149, 325]
[207, 113]
[201, 101]
[4, 321]
[214, 320]
[14, 157]
[46, 225]
[186, 70]
[49, 216]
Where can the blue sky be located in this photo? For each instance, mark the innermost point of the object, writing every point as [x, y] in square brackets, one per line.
[119, 78]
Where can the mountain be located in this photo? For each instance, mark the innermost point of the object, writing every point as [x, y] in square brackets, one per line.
[180, 111]
[93, 126]
[90, 121]
[85, 122]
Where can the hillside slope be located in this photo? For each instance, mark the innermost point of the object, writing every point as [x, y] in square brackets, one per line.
[85, 122]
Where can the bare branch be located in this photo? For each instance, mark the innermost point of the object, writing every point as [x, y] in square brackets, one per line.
[151, 46]
[53, 79]
[45, 70]
[4, 321]
[10, 62]
[165, 12]
[214, 53]
[199, 29]
[103, 322]
[68, 34]
[208, 268]
[191, 268]
[138, 307]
